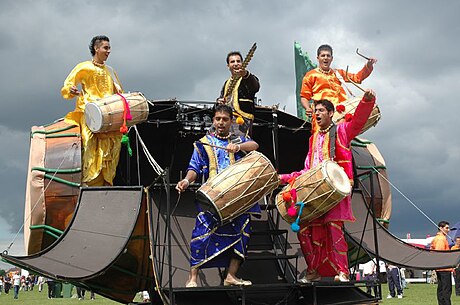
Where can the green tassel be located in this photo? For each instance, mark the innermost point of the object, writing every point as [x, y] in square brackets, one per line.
[125, 141]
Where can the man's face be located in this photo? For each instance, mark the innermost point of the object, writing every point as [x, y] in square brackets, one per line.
[222, 122]
[324, 60]
[323, 117]
[444, 229]
[234, 63]
[457, 241]
[103, 51]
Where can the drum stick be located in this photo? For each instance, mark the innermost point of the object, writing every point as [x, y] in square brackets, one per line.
[215, 146]
[350, 81]
[365, 57]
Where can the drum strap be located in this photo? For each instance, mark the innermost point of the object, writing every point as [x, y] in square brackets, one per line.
[332, 137]
[115, 79]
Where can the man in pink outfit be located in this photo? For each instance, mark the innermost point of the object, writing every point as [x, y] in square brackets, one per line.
[322, 240]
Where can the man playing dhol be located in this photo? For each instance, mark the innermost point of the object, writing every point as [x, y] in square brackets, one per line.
[213, 245]
[322, 240]
[101, 151]
[325, 83]
[243, 94]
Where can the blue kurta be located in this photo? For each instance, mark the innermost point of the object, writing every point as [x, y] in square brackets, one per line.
[213, 245]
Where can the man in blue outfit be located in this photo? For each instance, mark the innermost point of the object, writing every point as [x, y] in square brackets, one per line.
[212, 244]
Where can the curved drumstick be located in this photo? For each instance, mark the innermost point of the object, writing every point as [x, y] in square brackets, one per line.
[365, 57]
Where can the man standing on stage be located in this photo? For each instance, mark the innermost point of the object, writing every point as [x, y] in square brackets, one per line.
[444, 275]
[325, 83]
[100, 151]
[242, 97]
[212, 244]
[322, 240]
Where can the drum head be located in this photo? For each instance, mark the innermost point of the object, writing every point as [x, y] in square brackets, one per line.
[337, 177]
[93, 117]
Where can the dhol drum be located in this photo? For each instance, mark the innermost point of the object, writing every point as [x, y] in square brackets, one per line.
[350, 108]
[320, 188]
[106, 114]
[235, 190]
[53, 183]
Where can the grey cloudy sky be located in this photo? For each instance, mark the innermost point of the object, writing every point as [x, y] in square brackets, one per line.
[177, 49]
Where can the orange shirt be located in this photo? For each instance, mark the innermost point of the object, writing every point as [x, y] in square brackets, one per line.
[318, 85]
[439, 242]
[455, 247]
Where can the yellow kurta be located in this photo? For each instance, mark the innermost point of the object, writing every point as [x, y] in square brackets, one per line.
[101, 151]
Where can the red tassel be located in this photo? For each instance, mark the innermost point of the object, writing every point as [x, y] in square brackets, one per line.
[123, 129]
[340, 108]
[348, 117]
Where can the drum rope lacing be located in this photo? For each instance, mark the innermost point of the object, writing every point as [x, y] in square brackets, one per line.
[51, 178]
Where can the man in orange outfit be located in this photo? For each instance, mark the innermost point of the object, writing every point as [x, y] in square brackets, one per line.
[326, 83]
[457, 269]
[444, 275]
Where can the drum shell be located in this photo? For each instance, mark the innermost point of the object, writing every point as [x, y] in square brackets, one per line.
[51, 195]
[106, 114]
[316, 190]
[235, 190]
[350, 108]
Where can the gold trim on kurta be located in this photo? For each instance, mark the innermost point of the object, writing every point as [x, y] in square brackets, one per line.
[235, 100]
[223, 250]
[212, 156]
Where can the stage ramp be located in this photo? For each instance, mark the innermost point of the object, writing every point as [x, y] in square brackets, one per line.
[390, 248]
[105, 248]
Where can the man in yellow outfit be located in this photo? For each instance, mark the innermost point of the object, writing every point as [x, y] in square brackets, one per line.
[101, 151]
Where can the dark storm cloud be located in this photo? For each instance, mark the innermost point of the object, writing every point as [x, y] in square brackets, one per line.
[177, 49]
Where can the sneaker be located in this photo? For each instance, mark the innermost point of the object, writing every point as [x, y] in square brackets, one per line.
[399, 296]
[389, 297]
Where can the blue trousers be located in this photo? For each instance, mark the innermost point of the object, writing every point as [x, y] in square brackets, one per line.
[394, 281]
[16, 291]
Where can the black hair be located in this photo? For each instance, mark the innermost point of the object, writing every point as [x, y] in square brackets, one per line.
[327, 104]
[442, 224]
[95, 43]
[223, 108]
[324, 47]
[233, 53]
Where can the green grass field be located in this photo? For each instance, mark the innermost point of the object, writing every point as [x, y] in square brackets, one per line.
[414, 294]
[41, 298]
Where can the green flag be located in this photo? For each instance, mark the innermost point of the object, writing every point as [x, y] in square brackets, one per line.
[303, 64]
